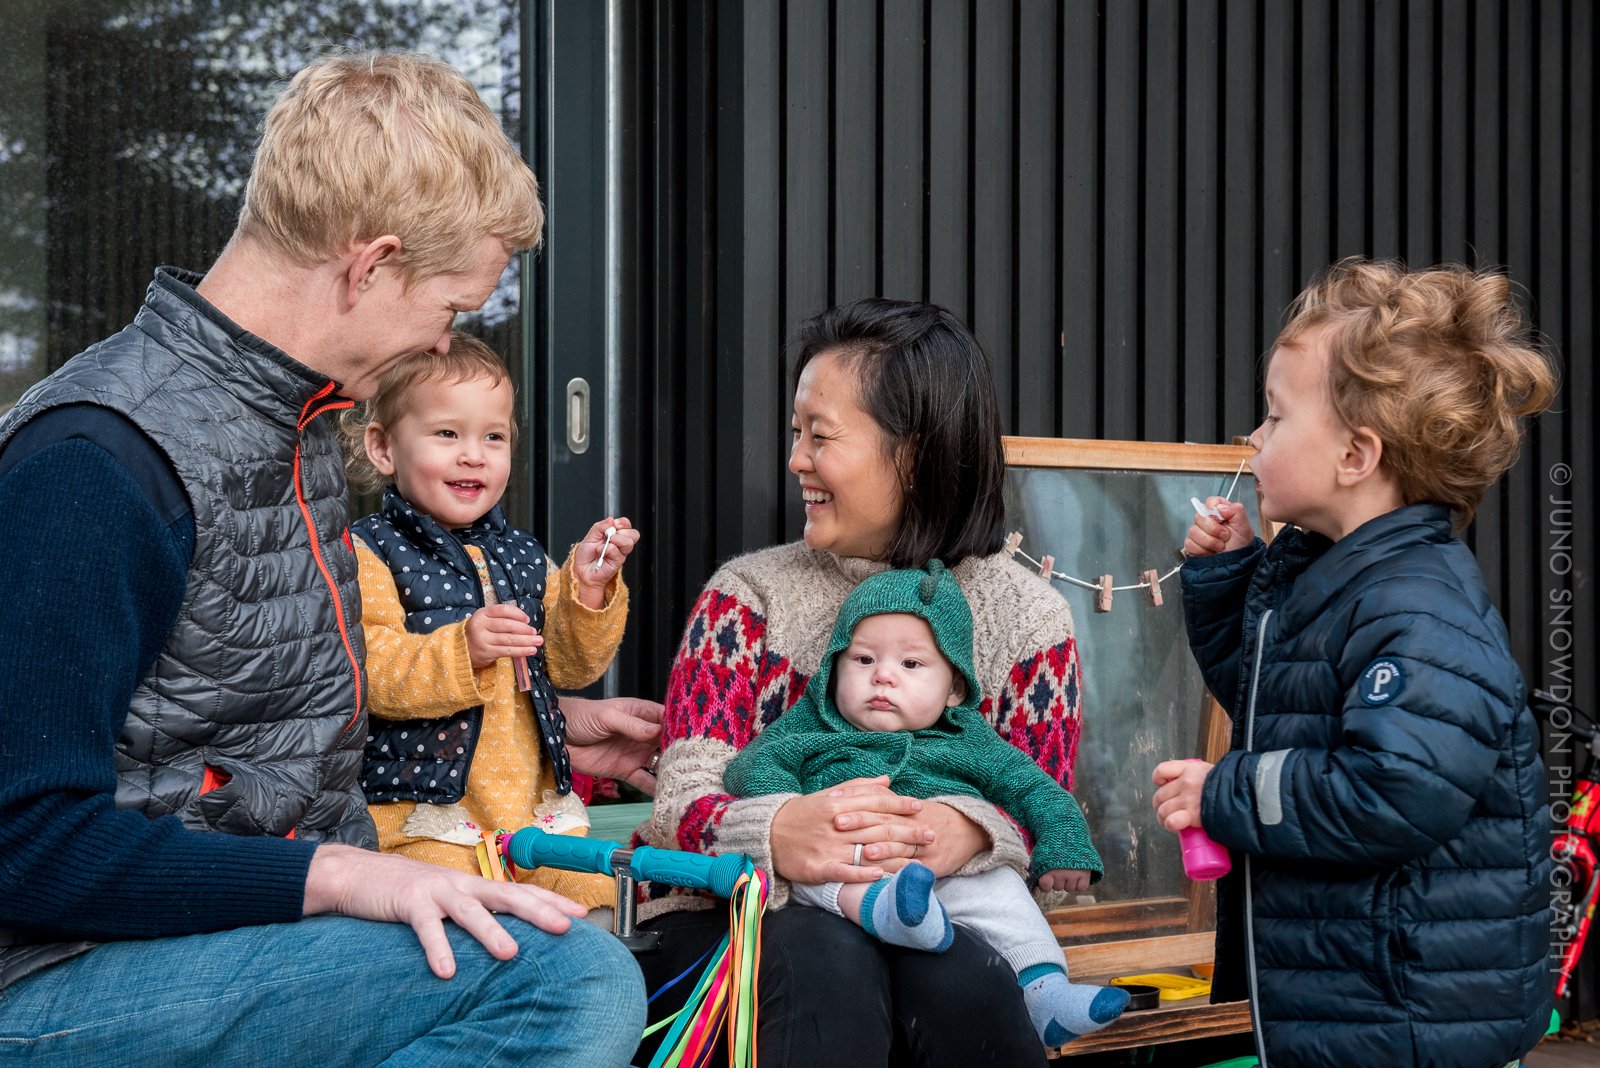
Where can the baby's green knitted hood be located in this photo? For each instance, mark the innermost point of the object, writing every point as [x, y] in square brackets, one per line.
[931, 594]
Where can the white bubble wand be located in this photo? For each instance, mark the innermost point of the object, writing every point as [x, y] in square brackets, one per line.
[610, 531]
[1199, 505]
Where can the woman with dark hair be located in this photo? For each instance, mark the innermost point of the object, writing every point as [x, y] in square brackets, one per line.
[897, 450]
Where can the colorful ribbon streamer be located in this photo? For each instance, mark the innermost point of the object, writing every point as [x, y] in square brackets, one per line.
[725, 992]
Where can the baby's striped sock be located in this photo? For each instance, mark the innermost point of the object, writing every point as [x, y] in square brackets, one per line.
[902, 910]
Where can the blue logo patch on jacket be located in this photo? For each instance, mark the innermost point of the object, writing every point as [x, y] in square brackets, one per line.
[1382, 682]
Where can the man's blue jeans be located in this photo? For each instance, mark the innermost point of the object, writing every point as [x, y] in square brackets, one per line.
[330, 991]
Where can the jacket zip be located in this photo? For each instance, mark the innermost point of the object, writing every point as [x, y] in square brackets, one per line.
[307, 414]
[1249, 899]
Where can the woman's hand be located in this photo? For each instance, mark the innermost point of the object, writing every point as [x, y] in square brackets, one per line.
[614, 739]
[814, 836]
[956, 840]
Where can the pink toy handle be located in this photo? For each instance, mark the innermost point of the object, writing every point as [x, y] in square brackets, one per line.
[1203, 859]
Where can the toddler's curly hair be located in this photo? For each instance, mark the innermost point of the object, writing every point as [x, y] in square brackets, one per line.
[468, 358]
[1440, 364]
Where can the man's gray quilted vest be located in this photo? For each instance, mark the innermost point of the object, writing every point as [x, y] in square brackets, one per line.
[260, 682]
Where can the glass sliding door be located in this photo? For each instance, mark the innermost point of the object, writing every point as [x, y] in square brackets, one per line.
[127, 129]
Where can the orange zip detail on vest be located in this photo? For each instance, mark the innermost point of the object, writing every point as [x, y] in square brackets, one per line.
[307, 414]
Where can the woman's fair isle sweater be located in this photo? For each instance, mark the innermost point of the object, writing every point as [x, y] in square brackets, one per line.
[423, 676]
[758, 633]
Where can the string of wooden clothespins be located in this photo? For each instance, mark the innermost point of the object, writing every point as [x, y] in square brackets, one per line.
[1104, 586]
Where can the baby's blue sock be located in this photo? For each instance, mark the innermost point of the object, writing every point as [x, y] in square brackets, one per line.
[903, 911]
[1061, 1011]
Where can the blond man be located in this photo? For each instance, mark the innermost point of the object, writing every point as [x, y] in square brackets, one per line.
[185, 656]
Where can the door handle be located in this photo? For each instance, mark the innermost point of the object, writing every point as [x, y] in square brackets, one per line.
[578, 415]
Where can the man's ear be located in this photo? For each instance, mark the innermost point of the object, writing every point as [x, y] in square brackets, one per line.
[376, 440]
[1361, 457]
[365, 260]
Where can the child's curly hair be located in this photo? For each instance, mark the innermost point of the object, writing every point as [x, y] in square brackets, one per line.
[1440, 364]
[467, 359]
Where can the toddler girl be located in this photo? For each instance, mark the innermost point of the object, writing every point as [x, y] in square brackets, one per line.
[467, 628]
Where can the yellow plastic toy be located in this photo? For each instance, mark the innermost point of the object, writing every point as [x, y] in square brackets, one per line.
[1172, 987]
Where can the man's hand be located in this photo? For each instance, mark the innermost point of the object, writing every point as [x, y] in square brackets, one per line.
[500, 630]
[614, 738]
[375, 886]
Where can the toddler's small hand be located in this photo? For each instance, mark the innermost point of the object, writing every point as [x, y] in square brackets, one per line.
[1074, 879]
[1209, 535]
[597, 563]
[500, 630]
[1180, 786]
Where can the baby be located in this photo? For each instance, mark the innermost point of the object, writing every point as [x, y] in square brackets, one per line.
[896, 696]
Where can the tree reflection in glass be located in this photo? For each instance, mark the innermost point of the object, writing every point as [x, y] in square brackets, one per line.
[127, 129]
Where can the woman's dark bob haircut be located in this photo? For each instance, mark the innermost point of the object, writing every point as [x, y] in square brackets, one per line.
[926, 382]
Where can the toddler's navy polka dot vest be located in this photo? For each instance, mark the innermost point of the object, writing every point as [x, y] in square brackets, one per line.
[437, 581]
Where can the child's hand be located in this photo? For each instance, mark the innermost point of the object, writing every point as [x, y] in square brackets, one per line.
[1074, 879]
[500, 630]
[1180, 784]
[596, 564]
[1208, 535]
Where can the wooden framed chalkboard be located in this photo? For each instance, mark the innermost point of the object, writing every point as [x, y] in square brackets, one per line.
[1109, 514]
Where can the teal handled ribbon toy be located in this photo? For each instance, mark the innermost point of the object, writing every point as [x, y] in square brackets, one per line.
[726, 992]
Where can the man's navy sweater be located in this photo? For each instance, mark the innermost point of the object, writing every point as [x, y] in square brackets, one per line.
[99, 536]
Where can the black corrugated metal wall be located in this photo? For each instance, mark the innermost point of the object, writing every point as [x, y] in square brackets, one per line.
[1121, 197]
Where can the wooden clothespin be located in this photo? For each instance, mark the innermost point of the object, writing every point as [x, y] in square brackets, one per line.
[1013, 543]
[1102, 600]
[1153, 579]
[1047, 567]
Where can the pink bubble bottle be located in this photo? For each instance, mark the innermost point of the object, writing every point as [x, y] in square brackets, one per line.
[1203, 859]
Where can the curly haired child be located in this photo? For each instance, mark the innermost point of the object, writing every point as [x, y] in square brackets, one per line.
[1384, 787]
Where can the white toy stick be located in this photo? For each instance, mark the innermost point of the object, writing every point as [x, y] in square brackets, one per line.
[602, 557]
[1234, 484]
[1199, 506]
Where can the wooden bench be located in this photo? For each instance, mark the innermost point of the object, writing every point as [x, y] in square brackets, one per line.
[1172, 1022]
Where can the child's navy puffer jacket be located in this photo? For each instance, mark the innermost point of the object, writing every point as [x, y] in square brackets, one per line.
[1389, 791]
